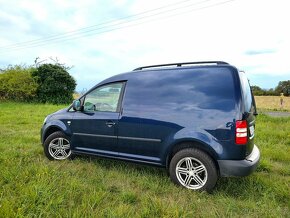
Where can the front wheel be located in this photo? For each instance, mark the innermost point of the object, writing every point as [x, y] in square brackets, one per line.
[193, 169]
[57, 146]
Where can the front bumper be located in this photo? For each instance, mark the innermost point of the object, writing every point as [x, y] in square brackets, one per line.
[240, 167]
[41, 135]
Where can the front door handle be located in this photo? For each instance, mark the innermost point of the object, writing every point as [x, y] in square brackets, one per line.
[110, 123]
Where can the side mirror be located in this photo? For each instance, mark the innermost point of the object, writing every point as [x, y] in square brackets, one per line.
[77, 105]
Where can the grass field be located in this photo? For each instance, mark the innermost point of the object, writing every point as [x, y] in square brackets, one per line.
[272, 103]
[32, 186]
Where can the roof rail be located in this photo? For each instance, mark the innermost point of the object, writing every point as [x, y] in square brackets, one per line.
[182, 64]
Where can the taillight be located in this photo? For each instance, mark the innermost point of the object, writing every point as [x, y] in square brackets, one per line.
[241, 132]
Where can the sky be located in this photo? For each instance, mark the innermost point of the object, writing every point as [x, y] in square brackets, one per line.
[104, 38]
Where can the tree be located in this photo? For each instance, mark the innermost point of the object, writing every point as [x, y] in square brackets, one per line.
[257, 90]
[16, 83]
[271, 92]
[55, 84]
[283, 87]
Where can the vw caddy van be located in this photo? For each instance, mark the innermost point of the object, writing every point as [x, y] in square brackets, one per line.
[195, 119]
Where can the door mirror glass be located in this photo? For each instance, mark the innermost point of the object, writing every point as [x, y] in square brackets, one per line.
[77, 105]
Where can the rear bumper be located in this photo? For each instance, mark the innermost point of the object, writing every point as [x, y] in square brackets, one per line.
[240, 167]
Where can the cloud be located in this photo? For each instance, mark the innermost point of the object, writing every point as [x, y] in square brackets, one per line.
[240, 32]
[259, 52]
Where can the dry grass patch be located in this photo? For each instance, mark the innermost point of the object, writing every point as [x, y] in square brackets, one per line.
[272, 103]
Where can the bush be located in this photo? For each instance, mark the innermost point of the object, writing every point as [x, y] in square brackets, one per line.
[55, 84]
[257, 91]
[16, 83]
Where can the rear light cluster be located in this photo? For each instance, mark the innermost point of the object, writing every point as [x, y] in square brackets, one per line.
[241, 132]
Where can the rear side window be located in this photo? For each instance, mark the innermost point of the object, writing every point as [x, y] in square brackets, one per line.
[185, 90]
[247, 94]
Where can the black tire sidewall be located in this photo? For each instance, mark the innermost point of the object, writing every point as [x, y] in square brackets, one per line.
[203, 158]
[47, 141]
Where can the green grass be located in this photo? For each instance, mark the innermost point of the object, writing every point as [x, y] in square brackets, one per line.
[32, 186]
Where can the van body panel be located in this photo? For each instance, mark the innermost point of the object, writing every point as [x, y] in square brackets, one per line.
[161, 108]
[167, 106]
[91, 133]
[249, 110]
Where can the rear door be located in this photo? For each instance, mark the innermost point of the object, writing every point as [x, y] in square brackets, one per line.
[250, 111]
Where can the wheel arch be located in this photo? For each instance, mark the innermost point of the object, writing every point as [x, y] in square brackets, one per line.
[51, 130]
[192, 144]
[54, 126]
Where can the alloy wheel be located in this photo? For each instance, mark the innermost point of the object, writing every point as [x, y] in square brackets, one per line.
[191, 173]
[59, 148]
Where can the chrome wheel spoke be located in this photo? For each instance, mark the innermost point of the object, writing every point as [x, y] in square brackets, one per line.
[66, 146]
[54, 146]
[197, 179]
[187, 180]
[199, 169]
[189, 164]
[60, 141]
[63, 152]
[182, 170]
[56, 153]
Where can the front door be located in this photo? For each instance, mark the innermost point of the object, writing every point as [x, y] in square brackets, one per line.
[94, 129]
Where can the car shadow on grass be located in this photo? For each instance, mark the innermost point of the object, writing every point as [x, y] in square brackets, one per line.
[124, 166]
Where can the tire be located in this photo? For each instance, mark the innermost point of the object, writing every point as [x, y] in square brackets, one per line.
[193, 169]
[57, 146]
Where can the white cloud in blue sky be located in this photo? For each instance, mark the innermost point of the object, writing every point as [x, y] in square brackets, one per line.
[252, 35]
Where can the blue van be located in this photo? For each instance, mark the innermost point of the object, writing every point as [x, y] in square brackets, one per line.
[196, 119]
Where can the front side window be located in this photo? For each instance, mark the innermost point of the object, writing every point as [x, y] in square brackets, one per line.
[104, 98]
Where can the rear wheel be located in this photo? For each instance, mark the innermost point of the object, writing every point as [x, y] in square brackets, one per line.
[193, 169]
[57, 146]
